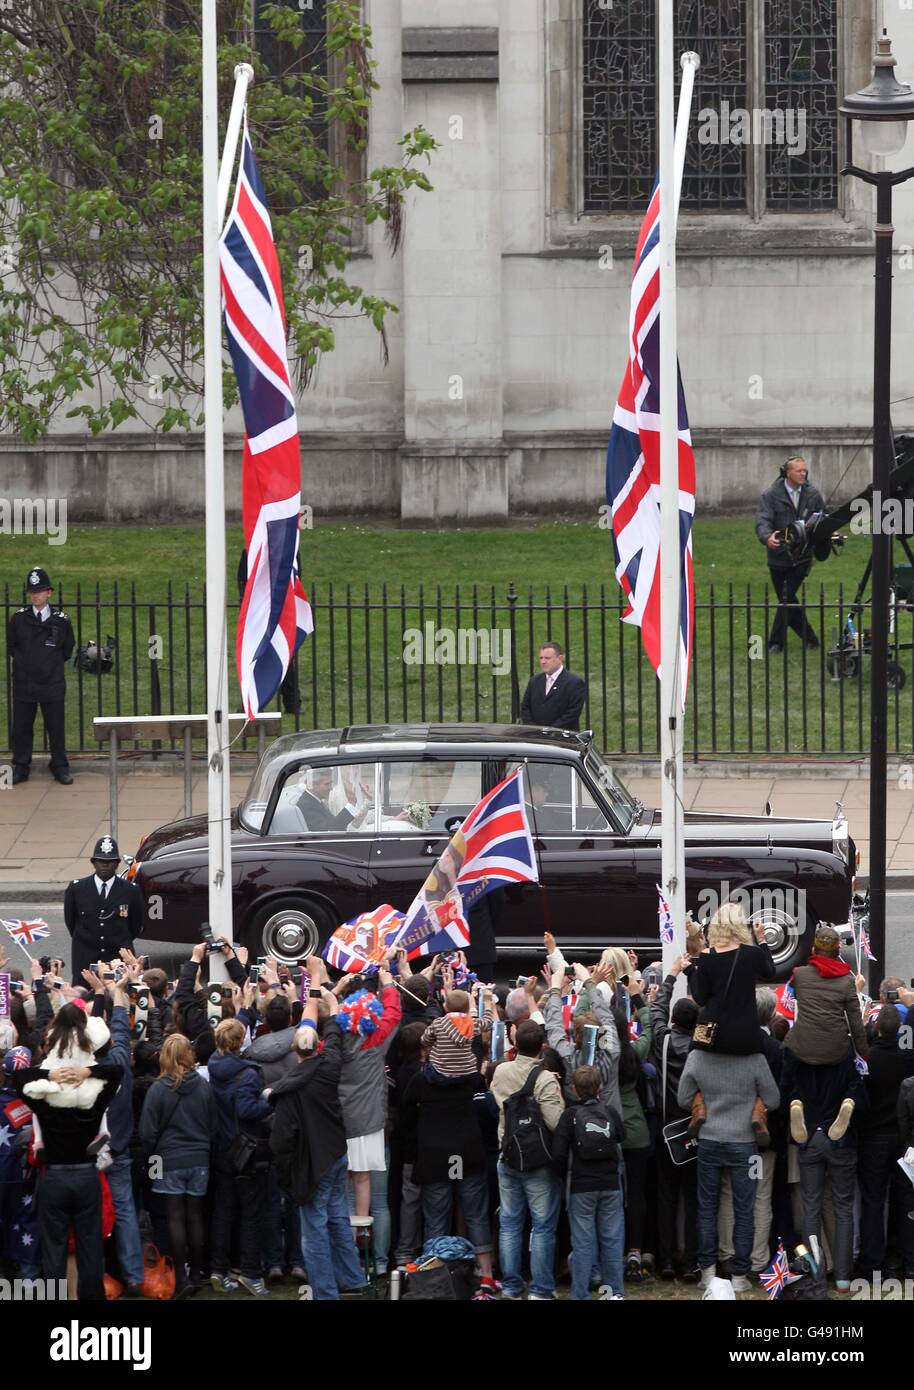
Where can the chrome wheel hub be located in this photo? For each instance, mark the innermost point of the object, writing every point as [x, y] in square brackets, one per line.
[290, 936]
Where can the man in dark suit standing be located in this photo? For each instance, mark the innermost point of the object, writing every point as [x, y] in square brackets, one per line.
[553, 699]
[102, 912]
[789, 499]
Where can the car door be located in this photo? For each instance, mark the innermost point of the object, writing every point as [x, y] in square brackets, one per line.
[418, 797]
[587, 872]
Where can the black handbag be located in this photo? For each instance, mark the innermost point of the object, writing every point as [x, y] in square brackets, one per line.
[679, 1145]
[705, 1034]
[240, 1153]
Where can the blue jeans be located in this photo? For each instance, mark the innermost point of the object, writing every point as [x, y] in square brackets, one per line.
[438, 1205]
[713, 1158]
[126, 1227]
[597, 1222]
[327, 1246]
[539, 1191]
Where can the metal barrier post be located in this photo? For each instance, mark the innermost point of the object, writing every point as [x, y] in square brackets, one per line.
[113, 790]
[188, 771]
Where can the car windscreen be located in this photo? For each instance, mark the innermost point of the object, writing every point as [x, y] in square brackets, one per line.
[621, 802]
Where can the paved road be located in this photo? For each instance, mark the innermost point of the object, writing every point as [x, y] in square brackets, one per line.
[899, 932]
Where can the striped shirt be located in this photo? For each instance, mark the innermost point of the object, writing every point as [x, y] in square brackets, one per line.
[450, 1039]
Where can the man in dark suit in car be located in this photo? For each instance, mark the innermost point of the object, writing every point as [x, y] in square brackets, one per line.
[313, 803]
[553, 699]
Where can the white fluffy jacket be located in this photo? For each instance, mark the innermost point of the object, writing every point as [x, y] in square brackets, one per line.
[85, 1093]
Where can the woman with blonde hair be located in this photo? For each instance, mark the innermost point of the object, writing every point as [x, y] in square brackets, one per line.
[177, 1127]
[723, 984]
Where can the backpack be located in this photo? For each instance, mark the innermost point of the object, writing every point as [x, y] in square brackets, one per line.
[595, 1134]
[527, 1143]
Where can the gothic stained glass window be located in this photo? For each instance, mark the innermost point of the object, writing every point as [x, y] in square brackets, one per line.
[801, 69]
[619, 103]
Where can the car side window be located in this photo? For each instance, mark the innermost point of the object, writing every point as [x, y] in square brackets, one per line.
[557, 800]
[587, 814]
[327, 799]
[425, 795]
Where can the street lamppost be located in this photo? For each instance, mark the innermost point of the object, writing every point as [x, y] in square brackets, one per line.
[883, 109]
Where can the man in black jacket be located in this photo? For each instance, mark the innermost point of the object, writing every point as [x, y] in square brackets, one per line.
[553, 699]
[879, 1144]
[671, 1036]
[102, 912]
[789, 499]
[308, 1143]
[40, 641]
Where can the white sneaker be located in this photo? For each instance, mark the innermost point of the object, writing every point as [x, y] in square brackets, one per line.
[740, 1283]
[606, 1295]
[707, 1275]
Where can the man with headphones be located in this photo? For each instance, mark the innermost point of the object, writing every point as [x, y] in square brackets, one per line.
[788, 499]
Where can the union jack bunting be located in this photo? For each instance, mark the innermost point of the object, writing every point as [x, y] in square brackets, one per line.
[275, 613]
[363, 943]
[493, 846]
[666, 921]
[633, 465]
[26, 933]
[777, 1275]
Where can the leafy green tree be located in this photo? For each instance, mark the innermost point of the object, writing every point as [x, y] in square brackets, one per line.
[101, 272]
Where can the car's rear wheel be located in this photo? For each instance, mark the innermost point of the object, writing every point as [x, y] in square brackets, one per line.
[786, 936]
[289, 929]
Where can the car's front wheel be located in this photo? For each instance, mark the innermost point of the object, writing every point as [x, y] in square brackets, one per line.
[289, 929]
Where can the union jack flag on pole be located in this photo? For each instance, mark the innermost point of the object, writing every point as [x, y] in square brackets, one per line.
[777, 1275]
[666, 920]
[363, 943]
[865, 939]
[275, 613]
[27, 933]
[493, 846]
[633, 465]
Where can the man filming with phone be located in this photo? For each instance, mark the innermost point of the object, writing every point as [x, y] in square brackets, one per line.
[790, 499]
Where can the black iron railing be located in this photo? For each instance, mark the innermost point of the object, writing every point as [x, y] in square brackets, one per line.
[382, 655]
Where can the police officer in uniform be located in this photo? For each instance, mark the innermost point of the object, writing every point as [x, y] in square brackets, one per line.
[41, 641]
[102, 912]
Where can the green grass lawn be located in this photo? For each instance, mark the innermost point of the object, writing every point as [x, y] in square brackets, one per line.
[370, 583]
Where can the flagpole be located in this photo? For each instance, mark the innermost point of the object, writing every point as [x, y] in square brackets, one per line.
[29, 958]
[219, 856]
[671, 150]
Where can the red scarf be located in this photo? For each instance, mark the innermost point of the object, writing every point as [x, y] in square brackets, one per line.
[829, 967]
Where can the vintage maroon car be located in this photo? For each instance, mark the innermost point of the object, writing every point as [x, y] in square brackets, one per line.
[338, 821]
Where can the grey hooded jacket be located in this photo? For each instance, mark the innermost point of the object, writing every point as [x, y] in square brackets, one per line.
[273, 1053]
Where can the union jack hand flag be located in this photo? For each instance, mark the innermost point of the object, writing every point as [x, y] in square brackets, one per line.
[363, 943]
[865, 947]
[666, 921]
[493, 846]
[787, 1000]
[778, 1274]
[275, 613]
[26, 933]
[633, 465]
